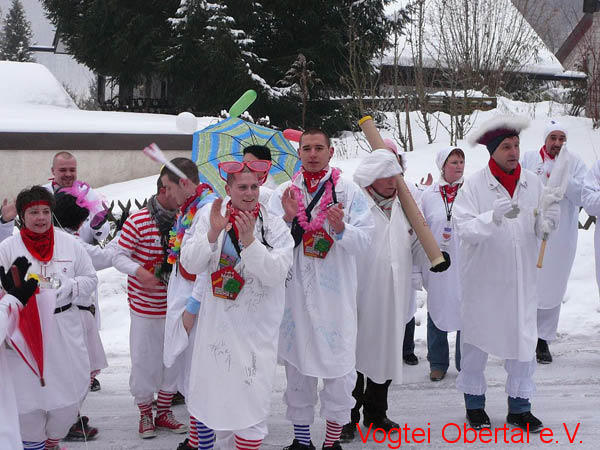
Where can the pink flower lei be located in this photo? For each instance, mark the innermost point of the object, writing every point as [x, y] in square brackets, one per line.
[326, 200]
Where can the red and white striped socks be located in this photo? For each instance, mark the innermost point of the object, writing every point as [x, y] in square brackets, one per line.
[247, 444]
[163, 402]
[333, 432]
[51, 443]
[193, 433]
[145, 408]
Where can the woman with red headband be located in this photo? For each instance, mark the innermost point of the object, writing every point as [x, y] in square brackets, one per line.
[65, 272]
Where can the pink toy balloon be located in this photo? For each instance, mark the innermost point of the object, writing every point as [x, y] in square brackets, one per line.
[292, 135]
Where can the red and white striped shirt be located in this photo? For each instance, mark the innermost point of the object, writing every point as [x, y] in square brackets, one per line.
[140, 241]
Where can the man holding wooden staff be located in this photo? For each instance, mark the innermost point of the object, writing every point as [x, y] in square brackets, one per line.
[499, 225]
[560, 252]
[384, 290]
[331, 225]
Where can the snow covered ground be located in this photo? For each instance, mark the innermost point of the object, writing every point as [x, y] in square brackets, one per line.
[568, 390]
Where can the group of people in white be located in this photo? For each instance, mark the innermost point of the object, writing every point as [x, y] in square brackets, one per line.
[317, 274]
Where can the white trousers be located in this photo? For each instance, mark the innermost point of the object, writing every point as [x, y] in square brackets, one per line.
[226, 439]
[301, 397]
[547, 323]
[471, 378]
[148, 372]
[38, 425]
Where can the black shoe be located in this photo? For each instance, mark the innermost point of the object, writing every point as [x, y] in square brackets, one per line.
[348, 432]
[542, 352]
[298, 446]
[185, 445]
[81, 431]
[380, 422]
[178, 399]
[95, 385]
[411, 359]
[521, 420]
[336, 446]
[478, 419]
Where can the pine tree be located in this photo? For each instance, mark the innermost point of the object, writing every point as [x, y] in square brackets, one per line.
[16, 35]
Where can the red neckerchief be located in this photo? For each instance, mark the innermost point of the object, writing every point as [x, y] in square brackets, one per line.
[233, 213]
[312, 179]
[449, 192]
[508, 180]
[40, 245]
[544, 154]
[199, 190]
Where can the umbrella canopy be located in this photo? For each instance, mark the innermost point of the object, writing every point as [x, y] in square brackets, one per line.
[226, 140]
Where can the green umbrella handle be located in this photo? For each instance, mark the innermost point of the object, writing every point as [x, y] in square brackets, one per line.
[242, 103]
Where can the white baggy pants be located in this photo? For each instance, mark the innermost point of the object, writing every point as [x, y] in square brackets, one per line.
[471, 378]
[301, 397]
[148, 372]
[547, 323]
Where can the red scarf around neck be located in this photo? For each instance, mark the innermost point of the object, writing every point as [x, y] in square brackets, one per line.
[449, 192]
[40, 245]
[199, 190]
[234, 212]
[544, 154]
[508, 180]
[312, 179]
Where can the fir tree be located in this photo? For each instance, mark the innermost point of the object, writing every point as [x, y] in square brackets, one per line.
[16, 35]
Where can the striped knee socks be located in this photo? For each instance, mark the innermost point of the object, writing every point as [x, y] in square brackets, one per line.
[302, 434]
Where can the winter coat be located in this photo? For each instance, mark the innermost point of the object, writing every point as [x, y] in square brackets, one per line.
[498, 266]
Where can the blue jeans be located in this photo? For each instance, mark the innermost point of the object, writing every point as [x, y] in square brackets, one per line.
[516, 405]
[438, 353]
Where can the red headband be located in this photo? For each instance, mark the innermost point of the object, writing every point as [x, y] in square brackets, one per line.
[36, 203]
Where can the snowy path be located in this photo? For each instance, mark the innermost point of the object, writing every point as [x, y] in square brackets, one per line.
[568, 391]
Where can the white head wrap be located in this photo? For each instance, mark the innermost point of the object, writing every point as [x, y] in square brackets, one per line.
[442, 156]
[553, 125]
[380, 163]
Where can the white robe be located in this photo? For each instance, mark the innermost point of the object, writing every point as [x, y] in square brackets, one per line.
[6, 229]
[590, 197]
[235, 349]
[384, 294]
[498, 266]
[66, 363]
[10, 435]
[318, 332]
[561, 246]
[443, 289]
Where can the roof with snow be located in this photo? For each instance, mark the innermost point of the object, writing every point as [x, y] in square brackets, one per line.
[32, 100]
[543, 64]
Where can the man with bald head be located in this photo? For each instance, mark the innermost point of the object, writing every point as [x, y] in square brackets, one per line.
[64, 172]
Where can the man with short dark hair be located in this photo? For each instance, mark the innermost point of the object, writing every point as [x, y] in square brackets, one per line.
[142, 255]
[331, 225]
[190, 196]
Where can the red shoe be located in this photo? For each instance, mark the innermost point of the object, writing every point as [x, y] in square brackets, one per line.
[147, 429]
[167, 421]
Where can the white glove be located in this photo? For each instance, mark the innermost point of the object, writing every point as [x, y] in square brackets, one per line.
[501, 207]
[550, 218]
[65, 290]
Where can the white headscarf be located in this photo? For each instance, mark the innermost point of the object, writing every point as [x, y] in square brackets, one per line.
[440, 160]
[380, 163]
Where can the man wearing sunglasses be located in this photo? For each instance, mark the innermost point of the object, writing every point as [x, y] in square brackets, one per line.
[242, 256]
[331, 224]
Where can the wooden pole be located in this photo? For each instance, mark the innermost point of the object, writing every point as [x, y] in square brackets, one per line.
[411, 210]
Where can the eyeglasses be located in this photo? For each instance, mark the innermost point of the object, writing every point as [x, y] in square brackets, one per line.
[258, 165]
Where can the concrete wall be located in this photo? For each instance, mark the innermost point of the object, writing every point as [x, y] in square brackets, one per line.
[22, 168]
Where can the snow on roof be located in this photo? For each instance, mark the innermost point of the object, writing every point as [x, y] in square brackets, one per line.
[32, 100]
[545, 62]
[32, 84]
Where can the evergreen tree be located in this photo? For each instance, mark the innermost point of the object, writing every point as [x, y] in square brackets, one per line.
[16, 35]
[122, 39]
